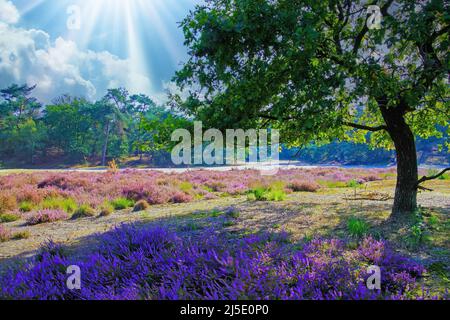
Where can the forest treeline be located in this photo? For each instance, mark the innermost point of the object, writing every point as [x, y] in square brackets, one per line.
[74, 130]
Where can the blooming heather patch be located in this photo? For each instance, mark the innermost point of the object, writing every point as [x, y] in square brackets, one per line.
[43, 189]
[46, 216]
[154, 263]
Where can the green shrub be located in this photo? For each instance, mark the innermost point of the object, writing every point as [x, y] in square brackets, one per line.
[26, 206]
[141, 205]
[8, 217]
[353, 184]
[276, 195]
[84, 211]
[122, 203]
[275, 192]
[357, 227]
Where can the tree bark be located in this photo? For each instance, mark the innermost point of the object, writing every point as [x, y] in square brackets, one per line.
[405, 200]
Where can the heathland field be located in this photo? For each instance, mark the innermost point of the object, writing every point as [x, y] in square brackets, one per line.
[303, 233]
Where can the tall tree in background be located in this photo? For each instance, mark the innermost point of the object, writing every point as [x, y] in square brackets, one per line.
[318, 70]
[20, 134]
[113, 109]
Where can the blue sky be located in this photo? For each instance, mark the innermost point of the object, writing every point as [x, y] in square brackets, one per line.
[83, 47]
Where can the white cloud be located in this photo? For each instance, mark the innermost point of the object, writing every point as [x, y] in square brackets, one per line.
[60, 67]
[8, 12]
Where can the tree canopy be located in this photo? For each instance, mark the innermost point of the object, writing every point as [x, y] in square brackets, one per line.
[316, 70]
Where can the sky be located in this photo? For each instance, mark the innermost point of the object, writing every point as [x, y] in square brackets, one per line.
[84, 47]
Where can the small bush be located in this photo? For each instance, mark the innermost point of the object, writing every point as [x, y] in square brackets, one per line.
[274, 192]
[353, 184]
[5, 234]
[181, 197]
[84, 211]
[122, 203]
[26, 206]
[8, 217]
[357, 227]
[106, 210]
[141, 205]
[304, 186]
[7, 202]
[46, 216]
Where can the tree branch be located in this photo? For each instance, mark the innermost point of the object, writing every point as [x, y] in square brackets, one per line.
[363, 127]
[362, 33]
[425, 178]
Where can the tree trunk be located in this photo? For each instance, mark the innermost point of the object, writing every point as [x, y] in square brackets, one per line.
[405, 200]
[105, 145]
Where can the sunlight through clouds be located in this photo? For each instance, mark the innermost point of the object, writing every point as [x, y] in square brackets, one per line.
[133, 43]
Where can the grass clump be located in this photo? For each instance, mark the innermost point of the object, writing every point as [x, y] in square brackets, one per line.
[66, 204]
[141, 205]
[83, 211]
[21, 235]
[106, 210]
[122, 203]
[8, 217]
[357, 227]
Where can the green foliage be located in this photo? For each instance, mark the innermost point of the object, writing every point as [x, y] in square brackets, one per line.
[357, 227]
[122, 203]
[76, 130]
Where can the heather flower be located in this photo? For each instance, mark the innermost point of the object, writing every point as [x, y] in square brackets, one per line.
[46, 216]
[155, 263]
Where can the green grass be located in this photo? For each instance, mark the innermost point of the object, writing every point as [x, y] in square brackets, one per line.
[8, 217]
[332, 184]
[26, 206]
[275, 192]
[67, 204]
[84, 211]
[186, 186]
[353, 184]
[21, 235]
[122, 203]
[357, 227]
